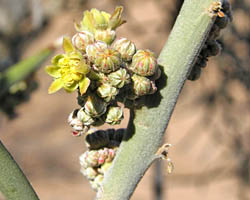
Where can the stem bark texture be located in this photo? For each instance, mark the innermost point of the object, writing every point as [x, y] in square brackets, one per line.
[146, 129]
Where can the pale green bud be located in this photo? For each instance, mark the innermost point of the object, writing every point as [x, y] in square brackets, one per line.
[84, 117]
[76, 124]
[93, 49]
[144, 63]
[115, 19]
[103, 154]
[114, 115]
[101, 22]
[141, 85]
[94, 106]
[126, 48]
[83, 160]
[89, 173]
[107, 92]
[92, 158]
[107, 36]
[119, 78]
[107, 61]
[82, 39]
[96, 184]
[111, 154]
[104, 168]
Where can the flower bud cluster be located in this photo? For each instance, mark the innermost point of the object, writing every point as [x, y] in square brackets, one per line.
[102, 147]
[212, 47]
[102, 69]
[94, 164]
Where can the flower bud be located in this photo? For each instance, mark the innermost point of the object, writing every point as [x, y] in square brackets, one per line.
[107, 36]
[83, 161]
[107, 61]
[103, 154]
[115, 20]
[76, 124]
[100, 18]
[126, 48]
[111, 154]
[93, 49]
[82, 39]
[144, 63]
[96, 184]
[104, 168]
[107, 92]
[157, 74]
[141, 85]
[114, 115]
[89, 173]
[84, 117]
[119, 78]
[92, 158]
[102, 78]
[153, 87]
[94, 106]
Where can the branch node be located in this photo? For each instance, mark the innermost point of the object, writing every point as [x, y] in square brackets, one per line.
[162, 153]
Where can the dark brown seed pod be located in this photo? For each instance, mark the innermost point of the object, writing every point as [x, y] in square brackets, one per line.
[104, 138]
[201, 61]
[213, 48]
[226, 7]
[222, 22]
[195, 73]
[214, 33]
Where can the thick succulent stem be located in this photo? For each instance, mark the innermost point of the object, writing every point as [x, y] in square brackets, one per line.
[13, 183]
[146, 130]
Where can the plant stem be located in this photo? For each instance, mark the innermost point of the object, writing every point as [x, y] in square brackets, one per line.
[13, 183]
[23, 69]
[137, 152]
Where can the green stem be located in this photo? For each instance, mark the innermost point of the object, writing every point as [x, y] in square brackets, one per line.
[137, 151]
[13, 183]
[23, 69]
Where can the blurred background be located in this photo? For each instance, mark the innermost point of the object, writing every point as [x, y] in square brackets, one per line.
[209, 130]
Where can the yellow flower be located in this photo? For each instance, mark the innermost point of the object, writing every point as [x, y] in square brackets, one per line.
[69, 70]
[95, 20]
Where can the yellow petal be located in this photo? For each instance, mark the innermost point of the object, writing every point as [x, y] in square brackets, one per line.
[115, 19]
[53, 71]
[56, 58]
[67, 45]
[71, 88]
[55, 86]
[100, 20]
[88, 22]
[83, 85]
[106, 15]
[82, 68]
